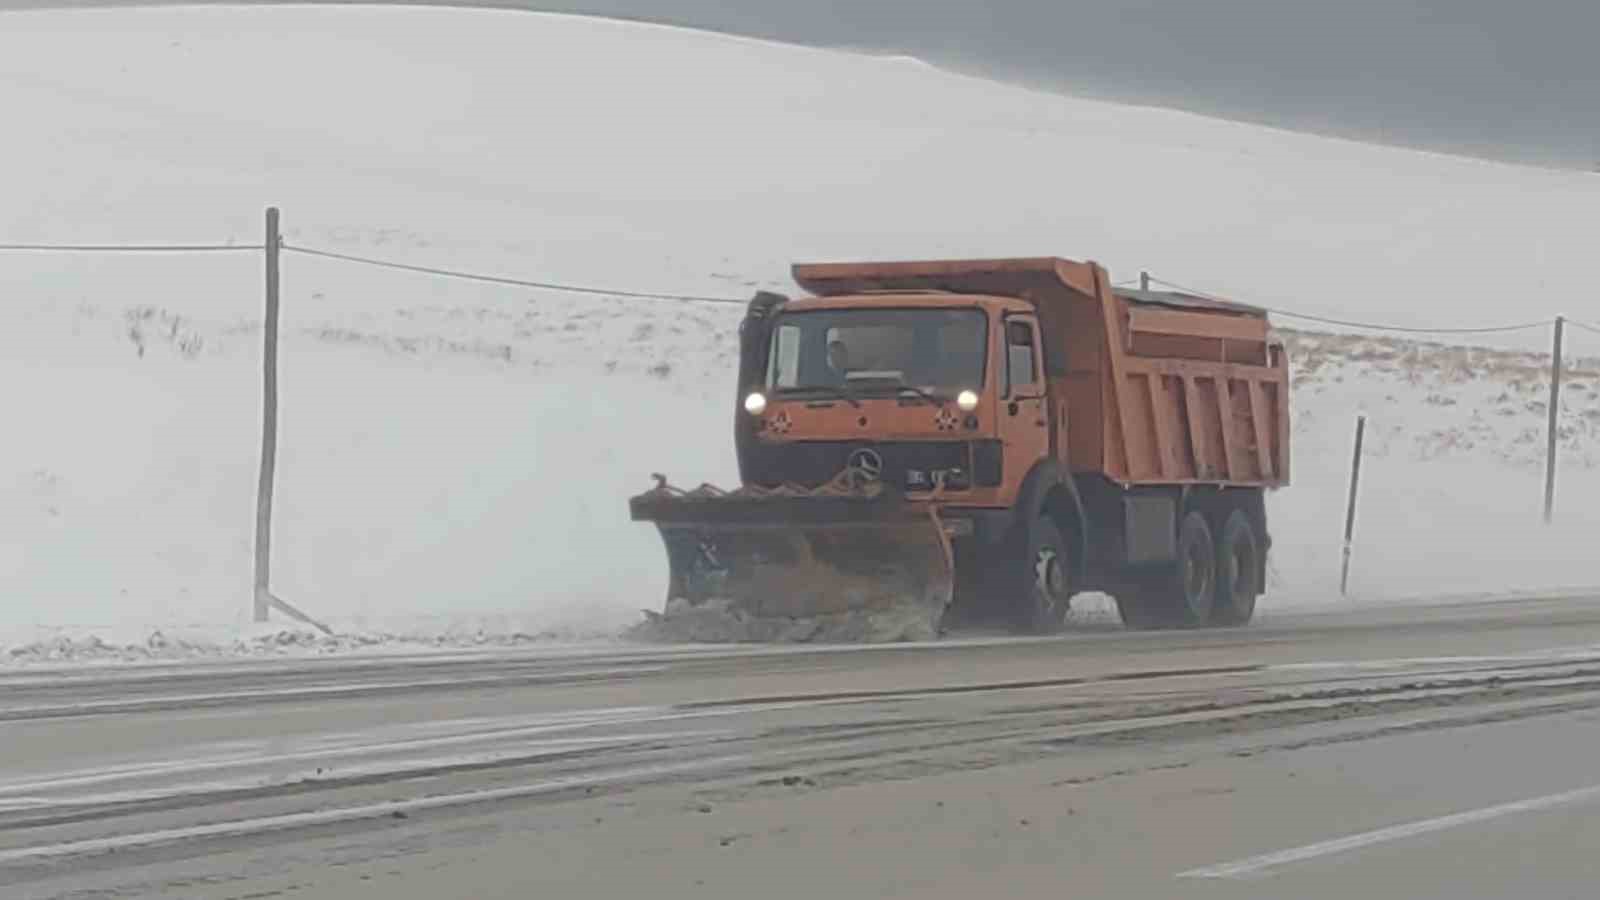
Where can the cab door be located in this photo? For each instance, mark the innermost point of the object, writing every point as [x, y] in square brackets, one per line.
[1024, 413]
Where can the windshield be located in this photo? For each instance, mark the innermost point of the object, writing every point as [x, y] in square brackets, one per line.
[940, 351]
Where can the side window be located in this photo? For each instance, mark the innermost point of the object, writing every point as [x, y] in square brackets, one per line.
[1022, 369]
[783, 368]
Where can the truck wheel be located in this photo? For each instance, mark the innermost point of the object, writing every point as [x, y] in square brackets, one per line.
[1196, 578]
[1182, 597]
[1047, 596]
[1238, 571]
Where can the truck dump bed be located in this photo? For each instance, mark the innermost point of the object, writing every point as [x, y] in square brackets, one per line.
[1151, 387]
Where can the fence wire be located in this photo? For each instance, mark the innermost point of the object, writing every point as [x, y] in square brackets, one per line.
[1371, 326]
[1584, 325]
[500, 279]
[591, 290]
[131, 248]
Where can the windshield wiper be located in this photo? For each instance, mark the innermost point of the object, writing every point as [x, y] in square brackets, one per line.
[929, 396]
[833, 390]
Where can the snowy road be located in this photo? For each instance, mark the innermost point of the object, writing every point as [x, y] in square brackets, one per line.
[1441, 747]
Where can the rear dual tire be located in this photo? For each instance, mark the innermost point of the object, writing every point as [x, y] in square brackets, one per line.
[1183, 596]
[1239, 568]
[1215, 583]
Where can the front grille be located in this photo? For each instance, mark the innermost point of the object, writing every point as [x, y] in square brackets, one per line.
[908, 465]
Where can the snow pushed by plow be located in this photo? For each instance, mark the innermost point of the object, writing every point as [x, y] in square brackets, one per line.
[721, 623]
[455, 459]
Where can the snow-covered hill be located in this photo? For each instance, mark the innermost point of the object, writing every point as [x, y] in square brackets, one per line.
[458, 455]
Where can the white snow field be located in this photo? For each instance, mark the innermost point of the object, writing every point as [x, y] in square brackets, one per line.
[456, 457]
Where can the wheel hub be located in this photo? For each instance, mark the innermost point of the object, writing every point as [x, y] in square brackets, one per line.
[1048, 576]
[1241, 569]
[1195, 573]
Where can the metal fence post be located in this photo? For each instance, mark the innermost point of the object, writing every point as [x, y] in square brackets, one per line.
[1350, 510]
[1555, 416]
[269, 425]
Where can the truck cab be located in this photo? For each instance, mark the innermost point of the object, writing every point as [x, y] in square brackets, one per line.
[926, 391]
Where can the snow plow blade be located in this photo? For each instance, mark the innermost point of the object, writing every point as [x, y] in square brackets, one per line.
[794, 564]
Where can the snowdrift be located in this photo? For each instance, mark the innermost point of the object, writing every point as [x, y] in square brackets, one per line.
[455, 457]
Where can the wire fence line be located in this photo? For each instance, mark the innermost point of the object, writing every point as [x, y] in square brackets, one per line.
[505, 280]
[131, 248]
[1345, 323]
[371, 261]
[591, 290]
[1584, 325]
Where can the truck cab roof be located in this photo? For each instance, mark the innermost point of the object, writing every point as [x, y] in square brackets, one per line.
[908, 299]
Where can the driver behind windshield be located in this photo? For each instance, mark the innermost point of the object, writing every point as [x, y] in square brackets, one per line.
[838, 360]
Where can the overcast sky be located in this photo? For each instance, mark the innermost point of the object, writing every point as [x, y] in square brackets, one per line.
[1515, 79]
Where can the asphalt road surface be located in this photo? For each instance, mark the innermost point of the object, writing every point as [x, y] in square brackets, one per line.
[1445, 751]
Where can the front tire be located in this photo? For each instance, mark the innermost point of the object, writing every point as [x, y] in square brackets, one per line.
[1047, 595]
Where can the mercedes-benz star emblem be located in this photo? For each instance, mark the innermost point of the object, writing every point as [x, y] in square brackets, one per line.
[867, 462]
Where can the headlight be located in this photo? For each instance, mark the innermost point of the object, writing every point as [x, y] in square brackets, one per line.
[967, 400]
[755, 404]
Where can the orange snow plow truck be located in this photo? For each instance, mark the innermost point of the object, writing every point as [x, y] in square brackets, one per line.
[925, 443]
